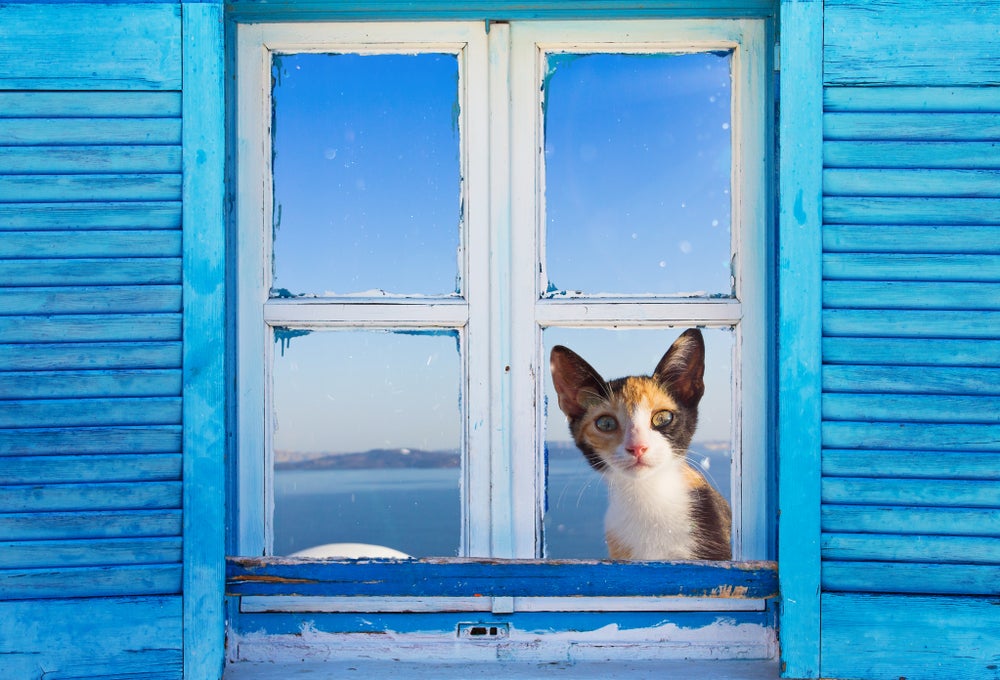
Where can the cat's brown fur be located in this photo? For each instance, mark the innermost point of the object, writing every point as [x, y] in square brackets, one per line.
[636, 431]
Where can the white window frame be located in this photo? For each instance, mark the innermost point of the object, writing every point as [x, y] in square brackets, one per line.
[505, 375]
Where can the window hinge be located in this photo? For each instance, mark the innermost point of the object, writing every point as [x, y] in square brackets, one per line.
[777, 56]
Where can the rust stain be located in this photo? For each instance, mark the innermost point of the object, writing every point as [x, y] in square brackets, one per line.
[730, 591]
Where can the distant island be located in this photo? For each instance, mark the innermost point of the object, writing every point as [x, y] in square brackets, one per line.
[404, 458]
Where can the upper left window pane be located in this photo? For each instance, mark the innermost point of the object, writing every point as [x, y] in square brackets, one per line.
[367, 174]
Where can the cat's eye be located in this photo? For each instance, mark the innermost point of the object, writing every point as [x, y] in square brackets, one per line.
[662, 418]
[606, 424]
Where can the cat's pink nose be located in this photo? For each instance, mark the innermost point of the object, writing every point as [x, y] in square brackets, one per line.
[637, 450]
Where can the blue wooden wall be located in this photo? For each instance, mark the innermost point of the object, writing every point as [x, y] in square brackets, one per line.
[92, 377]
[910, 517]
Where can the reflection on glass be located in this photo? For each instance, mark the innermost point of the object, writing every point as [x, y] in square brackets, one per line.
[637, 174]
[366, 174]
[576, 495]
[367, 442]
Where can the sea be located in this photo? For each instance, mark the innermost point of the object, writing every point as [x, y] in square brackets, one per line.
[418, 511]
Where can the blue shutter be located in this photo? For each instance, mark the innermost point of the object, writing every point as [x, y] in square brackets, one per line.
[90, 340]
[911, 340]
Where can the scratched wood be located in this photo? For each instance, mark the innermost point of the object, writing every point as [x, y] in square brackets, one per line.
[89, 582]
[109, 104]
[920, 638]
[914, 464]
[92, 327]
[911, 267]
[83, 412]
[919, 436]
[498, 578]
[911, 492]
[909, 182]
[131, 467]
[90, 496]
[113, 215]
[48, 554]
[911, 379]
[90, 355]
[90, 271]
[912, 351]
[962, 239]
[883, 519]
[110, 159]
[933, 549]
[910, 42]
[911, 323]
[894, 154]
[89, 524]
[78, 384]
[146, 299]
[64, 244]
[124, 47]
[137, 637]
[893, 126]
[910, 210]
[917, 98]
[912, 578]
[915, 408]
[56, 131]
[103, 187]
[97, 439]
[911, 295]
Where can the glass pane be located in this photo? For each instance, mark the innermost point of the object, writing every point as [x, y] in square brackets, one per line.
[366, 174]
[367, 443]
[576, 494]
[637, 174]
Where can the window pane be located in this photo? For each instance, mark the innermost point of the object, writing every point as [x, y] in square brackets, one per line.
[576, 494]
[367, 441]
[366, 174]
[637, 174]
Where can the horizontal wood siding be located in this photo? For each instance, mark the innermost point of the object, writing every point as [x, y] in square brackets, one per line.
[90, 340]
[911, 339]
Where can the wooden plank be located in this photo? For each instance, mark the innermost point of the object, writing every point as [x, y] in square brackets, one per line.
[498, 578]
[911, 380]
[911, 578]
[799, 333]
[124, 47]
[106, 637]
[917, 464]
[86, 497]
[99, 581]
[940, 493]
[89, 553]
[915, 98]
[205, 333]
[907, 42]
[911, 267]
[68, 244]
[910, 436]
[89, 412]
[916, 127]
[90, 355]
[68, 441]
[912, 548]
[89, 131]
[910, 295]
[905, 520]
[911, 323]
[912, 351]
[75, 328]
[906, 210]
[885, 238]
[65, 160]
[880, 154]
[62, 216]
[94, 468]
[103, 187]
[912, 408]
[91, 271]
[908, 182]
[101, 524]
[919, 638]
[111, 104]
[80, 384]
[90, 299]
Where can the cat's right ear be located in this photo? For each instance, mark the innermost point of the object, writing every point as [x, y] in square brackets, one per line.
[577, 383]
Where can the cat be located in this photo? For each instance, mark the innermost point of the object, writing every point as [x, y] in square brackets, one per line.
[635, 431]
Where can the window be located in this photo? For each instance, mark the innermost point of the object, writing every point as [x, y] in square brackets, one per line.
[424, 210]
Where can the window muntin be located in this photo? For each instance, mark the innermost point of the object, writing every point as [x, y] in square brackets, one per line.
[504, 370]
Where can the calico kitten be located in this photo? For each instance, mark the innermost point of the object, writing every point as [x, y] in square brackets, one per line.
[635, 431]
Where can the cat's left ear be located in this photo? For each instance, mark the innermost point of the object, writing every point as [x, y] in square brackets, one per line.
[682, 368]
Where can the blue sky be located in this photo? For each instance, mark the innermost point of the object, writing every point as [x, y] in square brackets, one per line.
[368, 197]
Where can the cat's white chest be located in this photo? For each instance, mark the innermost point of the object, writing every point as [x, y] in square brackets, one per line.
[651, 517]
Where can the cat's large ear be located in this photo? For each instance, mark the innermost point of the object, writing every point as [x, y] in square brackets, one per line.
[682, 368]
[576, 382]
